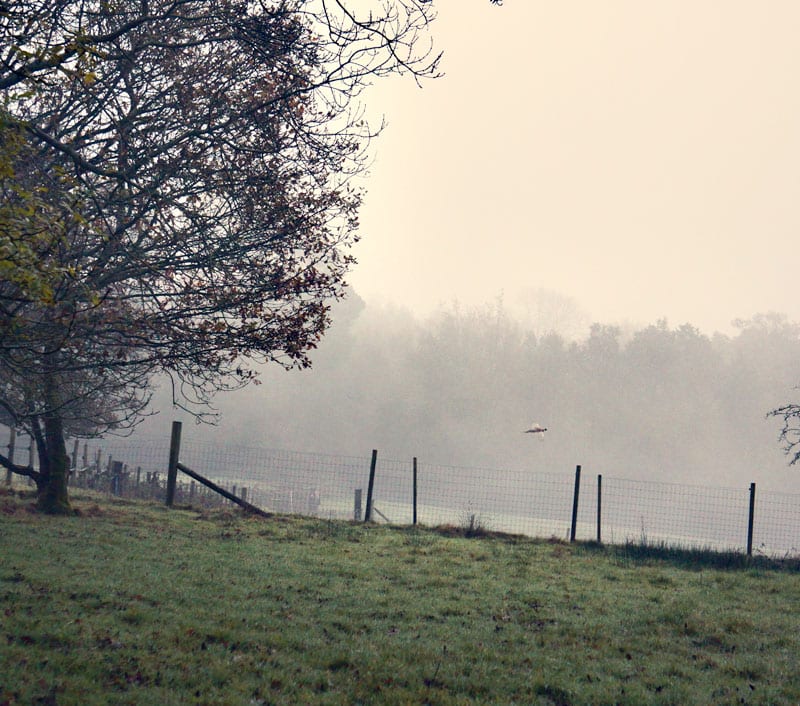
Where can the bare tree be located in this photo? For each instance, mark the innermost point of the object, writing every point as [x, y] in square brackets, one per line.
[773, 330]
[198, 158]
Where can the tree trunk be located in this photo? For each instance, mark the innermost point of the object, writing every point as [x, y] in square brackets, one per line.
[53, 494]
[54, 465]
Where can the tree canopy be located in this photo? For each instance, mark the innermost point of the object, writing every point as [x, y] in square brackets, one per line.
[181, 197]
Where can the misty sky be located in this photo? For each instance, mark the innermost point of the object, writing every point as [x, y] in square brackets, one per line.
[640, 158]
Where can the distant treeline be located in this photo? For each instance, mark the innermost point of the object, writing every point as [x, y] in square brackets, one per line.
[661, 402]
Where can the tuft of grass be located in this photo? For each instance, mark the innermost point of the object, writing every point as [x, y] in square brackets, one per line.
[473, 526]
[134, 604]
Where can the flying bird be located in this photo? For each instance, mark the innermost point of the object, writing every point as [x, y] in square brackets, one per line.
[536, 428]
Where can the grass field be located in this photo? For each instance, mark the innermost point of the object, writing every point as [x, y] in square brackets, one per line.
[129, 603]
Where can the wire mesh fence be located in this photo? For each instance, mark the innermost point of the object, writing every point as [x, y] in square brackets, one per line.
[613, 510]
[777, 524]
[681, 514]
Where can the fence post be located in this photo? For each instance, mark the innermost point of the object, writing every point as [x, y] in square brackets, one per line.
[30, 458]
[116, 477]
[599, 504]
[357, 505]
[415, 490]
[12, 437]
[575, 504]
[373, 463]
[750, 519]
[174, 455]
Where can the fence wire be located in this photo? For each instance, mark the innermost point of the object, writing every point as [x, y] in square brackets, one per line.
[776, 529]
[715, 518]
[503, 500]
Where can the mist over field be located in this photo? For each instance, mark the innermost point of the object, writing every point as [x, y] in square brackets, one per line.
[660, 402]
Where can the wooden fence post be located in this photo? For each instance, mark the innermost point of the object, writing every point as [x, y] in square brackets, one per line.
[575, 504]
[30, 458]
[11, 440]
[373, 463]
[117, 469]
[750, 519]
[73, 463]
[599, 504]
[357, 505]
[174, 455]
[415, 490]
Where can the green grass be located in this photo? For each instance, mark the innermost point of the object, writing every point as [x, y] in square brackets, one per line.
[133, 604]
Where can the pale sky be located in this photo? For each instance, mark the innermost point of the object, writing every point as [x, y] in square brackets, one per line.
[639, 157]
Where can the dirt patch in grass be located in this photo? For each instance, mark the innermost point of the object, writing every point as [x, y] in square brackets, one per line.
[14, 502]
[93, 510]
[10, 508]
[477, 532]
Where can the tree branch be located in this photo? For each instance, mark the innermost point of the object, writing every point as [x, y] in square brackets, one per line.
[19, 470]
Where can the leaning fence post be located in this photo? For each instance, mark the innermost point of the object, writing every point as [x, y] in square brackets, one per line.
[373, 463]
[750, 519]
[415, 490]
[599, 504]
[174, 455]
[575, 504]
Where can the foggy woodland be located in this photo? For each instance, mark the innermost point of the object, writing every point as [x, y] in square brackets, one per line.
[659, 402]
